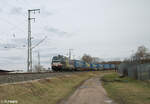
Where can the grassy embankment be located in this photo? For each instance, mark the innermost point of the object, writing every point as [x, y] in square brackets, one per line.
[45, 91]
[127, 90]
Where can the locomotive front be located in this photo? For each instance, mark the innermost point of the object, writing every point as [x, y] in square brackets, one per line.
[56, 63]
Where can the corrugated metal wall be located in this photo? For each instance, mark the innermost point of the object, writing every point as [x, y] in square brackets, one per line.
[135, 70]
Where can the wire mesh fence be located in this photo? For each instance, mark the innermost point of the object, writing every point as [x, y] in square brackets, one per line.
[140, 71]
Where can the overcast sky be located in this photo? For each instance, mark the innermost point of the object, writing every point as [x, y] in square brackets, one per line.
[109, 29]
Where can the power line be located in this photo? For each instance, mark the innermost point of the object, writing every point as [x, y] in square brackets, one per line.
[39, 43]
[10, 23]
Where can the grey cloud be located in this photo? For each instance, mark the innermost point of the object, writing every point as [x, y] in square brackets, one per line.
[47, 13]
[14, 58]
[1, 9]
[48, 55]
[56, 31]
[16, 10]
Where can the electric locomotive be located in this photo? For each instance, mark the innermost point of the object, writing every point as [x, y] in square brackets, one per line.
[62, 63]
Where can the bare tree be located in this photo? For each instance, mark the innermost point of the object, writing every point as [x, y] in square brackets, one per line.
[87, 58]
[141, 54]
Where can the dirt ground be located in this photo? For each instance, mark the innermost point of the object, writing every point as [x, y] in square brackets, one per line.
[90, 92]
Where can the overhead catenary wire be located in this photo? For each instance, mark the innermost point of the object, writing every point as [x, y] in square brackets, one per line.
[16, 26]
[39, 43]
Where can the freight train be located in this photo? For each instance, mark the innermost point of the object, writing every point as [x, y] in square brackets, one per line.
[62, 63]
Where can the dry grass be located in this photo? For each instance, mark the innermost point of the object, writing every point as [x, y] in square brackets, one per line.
[127, 90]
[45, 91]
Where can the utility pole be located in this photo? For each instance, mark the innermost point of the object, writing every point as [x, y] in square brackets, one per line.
[39, 63]
[70, 53]
[29, 58]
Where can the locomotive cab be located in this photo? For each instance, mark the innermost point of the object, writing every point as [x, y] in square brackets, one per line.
[56, 63]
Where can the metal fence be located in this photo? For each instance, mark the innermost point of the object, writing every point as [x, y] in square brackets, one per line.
[140, 71]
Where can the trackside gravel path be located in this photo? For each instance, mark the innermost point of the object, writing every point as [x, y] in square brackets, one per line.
[91, 92]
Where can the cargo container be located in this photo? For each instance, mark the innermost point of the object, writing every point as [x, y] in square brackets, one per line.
[99, 66]
[106, 66]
